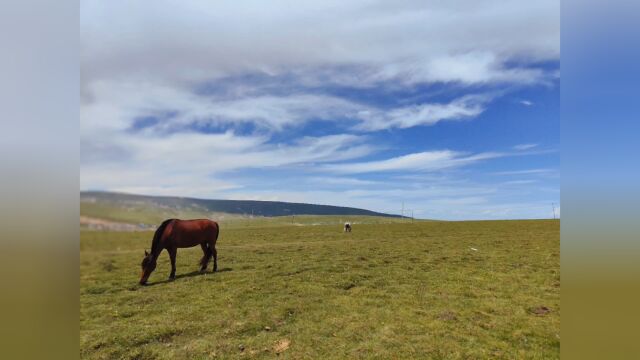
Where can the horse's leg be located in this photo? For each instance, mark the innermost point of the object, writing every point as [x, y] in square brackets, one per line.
[215, 259]
[172, 256]
[204, 262]
[213, 252]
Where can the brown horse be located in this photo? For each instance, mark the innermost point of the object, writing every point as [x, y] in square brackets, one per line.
[173, 234]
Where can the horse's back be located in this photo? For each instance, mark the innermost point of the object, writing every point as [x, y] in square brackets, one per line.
[190, 232]
[196, 224]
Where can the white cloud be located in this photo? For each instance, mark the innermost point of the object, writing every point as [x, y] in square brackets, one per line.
[270, 112]
[145, 59]
[117, 104]
[526, 102]
[527, 172]
[195, 163]
[412, 41]
[423, 161]
[338, 180]
[121, 104]
[525, 146]
[477, 68]
[520, 182]
[425, 114]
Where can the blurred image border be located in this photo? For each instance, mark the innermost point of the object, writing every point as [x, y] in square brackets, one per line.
[40, 180]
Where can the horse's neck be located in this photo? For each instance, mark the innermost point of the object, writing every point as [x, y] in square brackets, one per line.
[155, 253]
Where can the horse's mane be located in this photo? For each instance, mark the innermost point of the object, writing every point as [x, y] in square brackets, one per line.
[158, 234]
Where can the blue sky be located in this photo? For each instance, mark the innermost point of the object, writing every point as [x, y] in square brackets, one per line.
[449, 107]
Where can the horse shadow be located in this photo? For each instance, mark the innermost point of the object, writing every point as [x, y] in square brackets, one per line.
[188, 275]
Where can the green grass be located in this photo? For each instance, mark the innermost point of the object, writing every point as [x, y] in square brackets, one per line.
[384, 290]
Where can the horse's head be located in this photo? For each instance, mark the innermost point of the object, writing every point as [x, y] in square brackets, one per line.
[148, 265]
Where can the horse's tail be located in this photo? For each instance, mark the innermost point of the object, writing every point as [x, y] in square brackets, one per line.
[158, 234]
[208, 245]
[216, 233]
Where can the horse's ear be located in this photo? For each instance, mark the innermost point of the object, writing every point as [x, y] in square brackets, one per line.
[146, 253]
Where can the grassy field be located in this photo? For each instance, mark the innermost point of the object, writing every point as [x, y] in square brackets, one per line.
[385, 290]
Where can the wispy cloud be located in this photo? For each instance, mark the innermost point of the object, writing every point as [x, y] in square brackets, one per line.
[183, 109]
[198, 162]
[338, 180]
[527, 172]
[423, 161]
[520, 182]
[212, 40]
[526, 102]
[424, 114]
[525, 146]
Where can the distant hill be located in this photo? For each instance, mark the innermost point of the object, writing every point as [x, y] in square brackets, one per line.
[143, 209]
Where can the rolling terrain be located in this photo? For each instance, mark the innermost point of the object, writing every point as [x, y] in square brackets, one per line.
[116, 211]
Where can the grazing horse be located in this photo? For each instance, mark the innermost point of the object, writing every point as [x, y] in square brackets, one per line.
[347, 227]
[173, 234]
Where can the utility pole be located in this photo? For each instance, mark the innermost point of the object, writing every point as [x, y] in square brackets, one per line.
[402, 214]
[553, 206]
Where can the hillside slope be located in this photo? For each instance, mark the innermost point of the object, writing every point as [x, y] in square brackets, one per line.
[149, 210]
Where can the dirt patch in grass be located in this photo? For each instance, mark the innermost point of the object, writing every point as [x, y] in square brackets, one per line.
[348, 286]
[447, 316]
[281, 345]
[540, 310]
